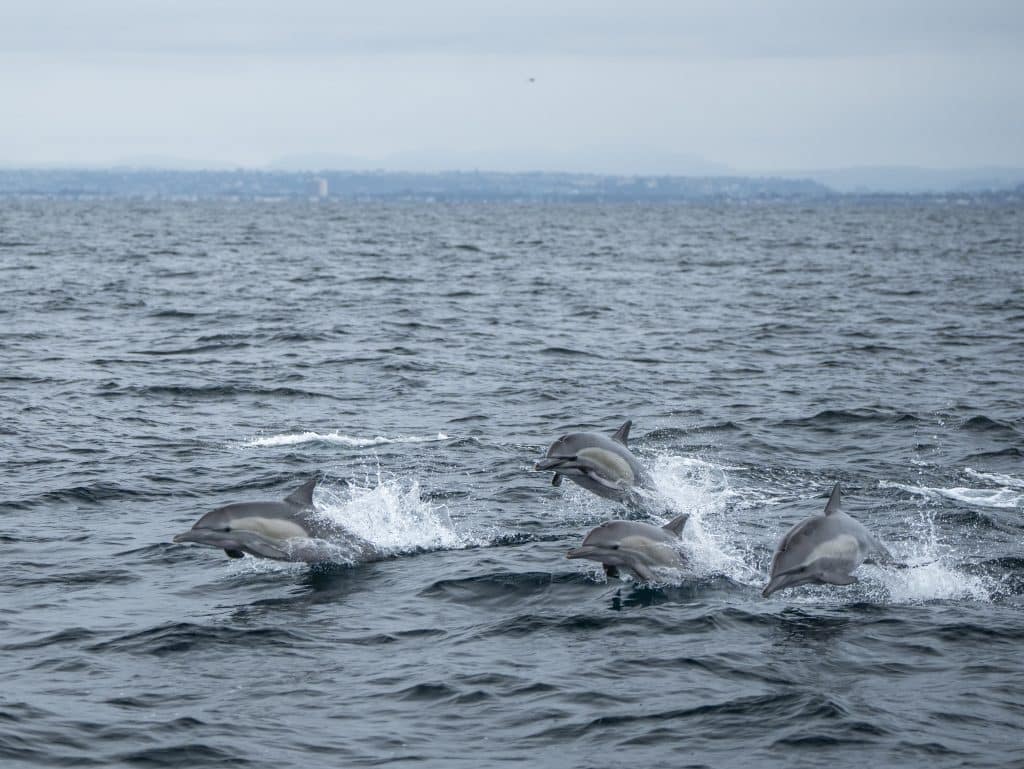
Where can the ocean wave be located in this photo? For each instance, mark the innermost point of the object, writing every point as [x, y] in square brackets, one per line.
[113, 389]
[177, 637]
[984, 424]
[1005, 499]
[499, 589]
[830, 417]
[998, 478]
[337, 438]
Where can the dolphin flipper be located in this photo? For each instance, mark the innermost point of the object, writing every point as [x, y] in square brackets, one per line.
[643, 572]
[257, 545]
[235, 554]
[883, 552]
[556, 480]
[837, 578]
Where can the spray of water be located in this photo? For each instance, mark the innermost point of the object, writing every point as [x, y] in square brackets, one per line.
[391, 514]
[712, 535]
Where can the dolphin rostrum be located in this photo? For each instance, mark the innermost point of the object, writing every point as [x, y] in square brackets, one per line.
[633, 545]
[290, 530]
[824, 548]
[596, 462]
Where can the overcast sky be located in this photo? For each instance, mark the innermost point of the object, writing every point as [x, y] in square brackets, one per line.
[640, 86]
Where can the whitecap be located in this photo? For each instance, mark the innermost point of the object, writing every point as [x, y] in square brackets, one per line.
[337, 438]
[1006, 499]
[998, 478]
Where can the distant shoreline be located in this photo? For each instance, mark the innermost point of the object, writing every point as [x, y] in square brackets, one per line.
[454, 186]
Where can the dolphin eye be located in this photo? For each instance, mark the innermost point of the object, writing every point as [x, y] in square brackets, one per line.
[615, 547]
[226, 528]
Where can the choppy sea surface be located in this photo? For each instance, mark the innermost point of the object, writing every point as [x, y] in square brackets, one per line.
[159, 360]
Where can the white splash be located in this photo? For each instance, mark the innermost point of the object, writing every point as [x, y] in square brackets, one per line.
[391, 514]
[702, 489]
[930, 572]
[926, 581]
[998, 478]
[1006, 499]
[337, 438]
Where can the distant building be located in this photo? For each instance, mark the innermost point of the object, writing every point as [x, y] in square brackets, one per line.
[319, 187]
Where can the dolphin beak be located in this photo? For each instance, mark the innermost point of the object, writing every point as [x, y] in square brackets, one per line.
[203, 536]
[580, 552]
[550, 463]
[774, 584]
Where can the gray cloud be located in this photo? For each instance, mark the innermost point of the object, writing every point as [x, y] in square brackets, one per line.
[748, 85]
[726, 28]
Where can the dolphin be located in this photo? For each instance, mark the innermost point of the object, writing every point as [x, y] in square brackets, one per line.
[633, 545]
[824, 549]
[290, 530]
[596, 462]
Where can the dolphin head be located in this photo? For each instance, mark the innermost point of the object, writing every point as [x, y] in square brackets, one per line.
[562, 454]
[257, 528]
[639, 547]
[798, 576]
[609, 544]
[598, 463]
[237, 530]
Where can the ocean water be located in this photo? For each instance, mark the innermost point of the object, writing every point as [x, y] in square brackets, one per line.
[158, 360]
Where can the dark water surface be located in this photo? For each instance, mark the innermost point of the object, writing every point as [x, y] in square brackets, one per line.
[159, 360]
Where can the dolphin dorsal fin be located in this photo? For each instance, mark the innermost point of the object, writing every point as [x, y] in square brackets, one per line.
[303, 496]
[676, 524]
[622, 434]
[833, 502]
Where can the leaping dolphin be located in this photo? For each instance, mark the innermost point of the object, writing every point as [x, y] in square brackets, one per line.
[596, 462]
[290, 530]
[824, 548]
[638, 547]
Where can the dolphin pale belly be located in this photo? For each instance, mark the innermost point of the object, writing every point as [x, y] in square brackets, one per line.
[638, 547]
[289, 530]
[602, 465]
[822, 549]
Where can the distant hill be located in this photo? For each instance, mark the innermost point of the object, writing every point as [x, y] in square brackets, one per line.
[910, 180]
[477, 185]
[455, 185]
